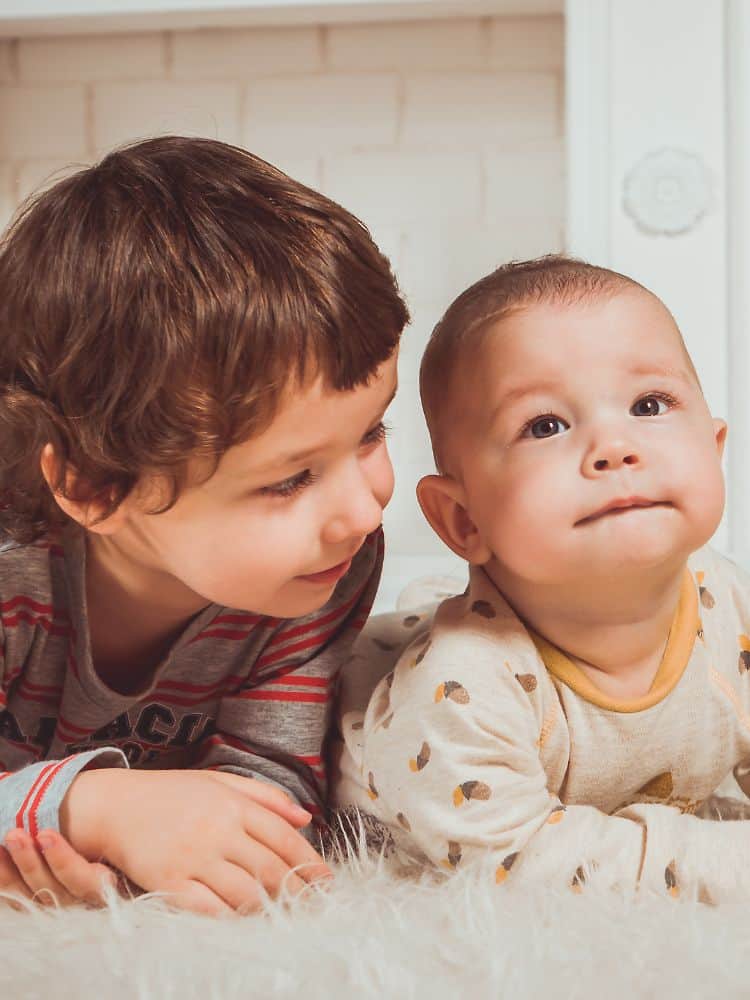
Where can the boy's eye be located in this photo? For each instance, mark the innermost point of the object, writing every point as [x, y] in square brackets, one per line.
[545, 427]
[376, 434]
[651, 406]
[288, 487]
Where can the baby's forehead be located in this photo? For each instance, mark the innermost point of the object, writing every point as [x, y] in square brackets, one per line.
[630, 330]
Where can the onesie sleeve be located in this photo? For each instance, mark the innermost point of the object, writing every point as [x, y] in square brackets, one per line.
[452, 766]
[275, 726]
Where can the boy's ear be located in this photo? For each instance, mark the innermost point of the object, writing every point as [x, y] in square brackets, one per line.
[720, 430]
[86, 512]
[443, 503]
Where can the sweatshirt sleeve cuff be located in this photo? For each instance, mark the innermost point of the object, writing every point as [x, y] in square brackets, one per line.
[30, 798]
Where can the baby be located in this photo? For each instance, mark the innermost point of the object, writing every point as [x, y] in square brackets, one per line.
[568, 714]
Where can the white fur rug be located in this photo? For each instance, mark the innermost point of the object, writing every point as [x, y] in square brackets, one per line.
[375, 934]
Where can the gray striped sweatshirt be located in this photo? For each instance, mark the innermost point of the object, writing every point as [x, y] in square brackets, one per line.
[237, 692]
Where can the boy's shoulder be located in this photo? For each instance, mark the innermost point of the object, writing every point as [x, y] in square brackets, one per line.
[31, 572]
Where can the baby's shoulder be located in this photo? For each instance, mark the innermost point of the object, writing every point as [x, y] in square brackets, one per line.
[475, 639]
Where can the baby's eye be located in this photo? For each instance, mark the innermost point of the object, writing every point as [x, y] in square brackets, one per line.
[545, 427]
[652, 406]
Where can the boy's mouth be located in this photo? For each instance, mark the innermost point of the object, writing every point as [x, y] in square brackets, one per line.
[622, 506]
[328, 576]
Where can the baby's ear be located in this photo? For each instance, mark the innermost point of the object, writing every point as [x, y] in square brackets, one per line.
[720, 431]
[73, 501]
[443, 503]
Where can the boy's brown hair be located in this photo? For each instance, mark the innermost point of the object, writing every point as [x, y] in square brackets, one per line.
[554, 278]
[157, 305]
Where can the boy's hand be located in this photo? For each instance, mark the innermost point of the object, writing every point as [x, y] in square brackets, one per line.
[207, 838]
[51, 873]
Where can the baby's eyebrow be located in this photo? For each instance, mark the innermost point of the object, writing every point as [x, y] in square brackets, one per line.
[514, 393]
[663, 371]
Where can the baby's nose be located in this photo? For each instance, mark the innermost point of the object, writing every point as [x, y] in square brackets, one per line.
[611, 456]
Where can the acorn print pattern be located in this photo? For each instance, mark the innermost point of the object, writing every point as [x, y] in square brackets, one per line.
[744, 663]
[483, 608]
[453, 690]
[411, 620]
[706, 597]
[670, 879]
[404, 822]
[454, 855]
[579, 880]
[387, 647]
[527, 681]
[556, 815]
[422, 759]
[371, 789]
[471, 790]
[416, 660]
[421, 654]
[660, 787]
[501, 872]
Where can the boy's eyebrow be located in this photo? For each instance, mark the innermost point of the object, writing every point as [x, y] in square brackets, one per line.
[292, 458]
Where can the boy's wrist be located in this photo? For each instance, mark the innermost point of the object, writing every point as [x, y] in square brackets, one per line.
[84, 811]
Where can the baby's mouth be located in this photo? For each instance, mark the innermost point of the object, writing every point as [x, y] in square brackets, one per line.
[622, 506]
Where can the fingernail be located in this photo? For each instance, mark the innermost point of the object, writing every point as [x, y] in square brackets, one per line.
[14, 843]
[302, 814]
[44, 841]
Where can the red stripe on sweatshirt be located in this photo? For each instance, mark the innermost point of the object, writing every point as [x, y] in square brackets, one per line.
[197, 688]
[259, 694]
[77, 731]
[45, 609]
[298, 630]
[39, 778]
[22, 616]
[293, 679]
[33, 829]
[294, 647]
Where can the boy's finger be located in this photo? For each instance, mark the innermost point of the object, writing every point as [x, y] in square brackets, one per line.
[266, 795]
[287, 843]
[251, 865]
[196, 897]
[34, 871]
[83, 880]
[10, 878]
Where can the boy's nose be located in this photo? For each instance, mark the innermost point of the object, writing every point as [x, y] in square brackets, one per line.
[608, 457]
[357, 513]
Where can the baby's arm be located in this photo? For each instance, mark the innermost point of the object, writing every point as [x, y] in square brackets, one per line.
[450, 754]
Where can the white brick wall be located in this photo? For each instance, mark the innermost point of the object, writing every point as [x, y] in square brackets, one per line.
[445, 137]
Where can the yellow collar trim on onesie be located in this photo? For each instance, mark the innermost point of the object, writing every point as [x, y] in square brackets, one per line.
[677, 654]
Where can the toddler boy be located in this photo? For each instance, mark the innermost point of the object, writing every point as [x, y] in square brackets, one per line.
[572, 709]
[196, 353]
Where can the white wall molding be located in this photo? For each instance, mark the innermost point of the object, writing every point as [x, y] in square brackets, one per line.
[738, 269]
[20, 18]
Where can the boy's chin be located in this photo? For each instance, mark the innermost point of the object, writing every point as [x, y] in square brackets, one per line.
[296, 601]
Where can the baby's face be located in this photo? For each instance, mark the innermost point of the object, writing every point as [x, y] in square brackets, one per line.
[593, 449]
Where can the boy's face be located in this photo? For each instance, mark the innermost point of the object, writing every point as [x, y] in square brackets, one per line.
[593, 448]
[276, 526]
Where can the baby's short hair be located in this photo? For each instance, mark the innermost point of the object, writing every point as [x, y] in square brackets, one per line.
[554, 278]
[157, 305]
